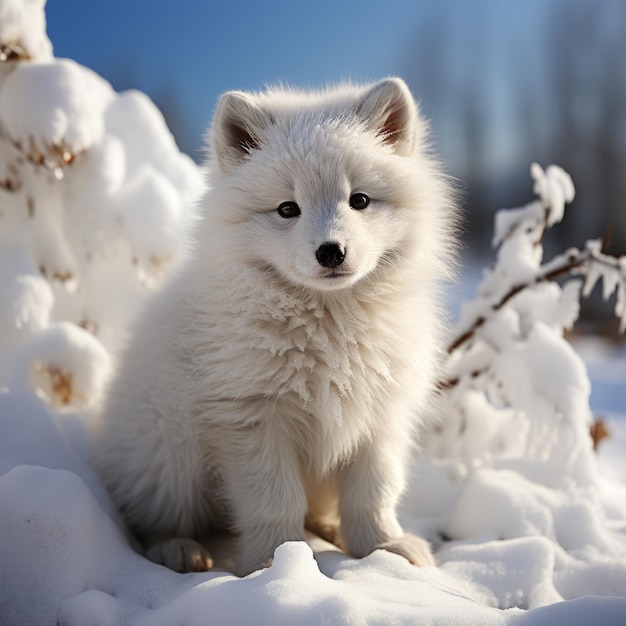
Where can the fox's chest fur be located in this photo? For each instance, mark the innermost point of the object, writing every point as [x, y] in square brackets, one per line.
[326, 365]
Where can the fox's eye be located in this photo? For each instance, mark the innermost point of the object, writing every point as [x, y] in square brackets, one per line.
[359, 201]
[288, 209]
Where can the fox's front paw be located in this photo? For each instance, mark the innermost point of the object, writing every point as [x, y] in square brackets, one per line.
[180, 555]
[414, 549]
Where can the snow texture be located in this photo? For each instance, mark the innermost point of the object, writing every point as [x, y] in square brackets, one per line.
[23, 31]
[527, 525]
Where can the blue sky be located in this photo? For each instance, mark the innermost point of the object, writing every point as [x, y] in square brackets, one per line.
[191, 51]
[185, 53]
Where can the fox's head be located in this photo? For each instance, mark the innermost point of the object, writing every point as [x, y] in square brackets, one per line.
[324, 188]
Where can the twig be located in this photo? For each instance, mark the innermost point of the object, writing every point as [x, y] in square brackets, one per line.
[574, 260]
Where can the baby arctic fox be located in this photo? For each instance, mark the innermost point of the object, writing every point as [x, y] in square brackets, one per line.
[278, 379]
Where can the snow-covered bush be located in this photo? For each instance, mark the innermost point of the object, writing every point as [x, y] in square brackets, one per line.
[511, 491]
[94, 197]
[515, 387]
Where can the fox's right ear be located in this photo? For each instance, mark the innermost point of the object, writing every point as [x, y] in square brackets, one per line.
[237, 128]
[388, 108]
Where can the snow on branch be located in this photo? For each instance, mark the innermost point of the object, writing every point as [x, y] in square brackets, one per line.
[23, 32]
[516, 228]
[591, 263]
[513, 386]
[94, 201]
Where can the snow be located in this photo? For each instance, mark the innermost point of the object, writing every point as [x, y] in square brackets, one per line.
[527, 522]
[23, 30]
[54, 110]
[66, 365]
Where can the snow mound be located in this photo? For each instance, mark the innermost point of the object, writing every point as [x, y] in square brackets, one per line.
[67, 562]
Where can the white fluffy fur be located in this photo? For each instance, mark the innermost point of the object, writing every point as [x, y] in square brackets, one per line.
[261, 389]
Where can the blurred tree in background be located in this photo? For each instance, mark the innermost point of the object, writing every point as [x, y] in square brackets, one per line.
[499, 102]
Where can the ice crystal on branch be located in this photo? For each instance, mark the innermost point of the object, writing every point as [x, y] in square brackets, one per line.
[515, 388]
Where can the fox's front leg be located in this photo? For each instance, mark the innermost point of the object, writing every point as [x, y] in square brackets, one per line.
[266, 495]
[370, 489]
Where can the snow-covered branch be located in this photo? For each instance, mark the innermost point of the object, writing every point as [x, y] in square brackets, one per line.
[591, 264]
[94, 198]
[513, 386]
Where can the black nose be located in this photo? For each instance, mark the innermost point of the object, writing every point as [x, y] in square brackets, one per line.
[330, 254]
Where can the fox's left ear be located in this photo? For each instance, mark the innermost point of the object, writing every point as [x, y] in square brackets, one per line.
[389, 109]
[238, 125]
